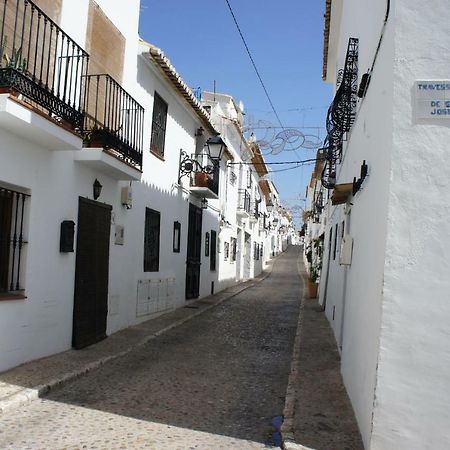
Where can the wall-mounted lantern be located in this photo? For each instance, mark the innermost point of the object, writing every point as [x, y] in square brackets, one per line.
[215, 146]
[269, 205]
[204, 203]
[97, 189]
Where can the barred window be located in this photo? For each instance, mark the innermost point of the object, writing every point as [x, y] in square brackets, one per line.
[233, 248]
[158, 125]
[213, 250]
[226, 250]
[151, 240]
[13, 240]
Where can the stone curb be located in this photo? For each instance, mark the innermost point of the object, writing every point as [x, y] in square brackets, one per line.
[287, 429]
[29, 394]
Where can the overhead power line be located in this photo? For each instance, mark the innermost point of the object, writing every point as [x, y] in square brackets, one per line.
[273, 163]
[254, 64]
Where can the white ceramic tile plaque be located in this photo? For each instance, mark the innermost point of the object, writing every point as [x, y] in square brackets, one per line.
[432, 99]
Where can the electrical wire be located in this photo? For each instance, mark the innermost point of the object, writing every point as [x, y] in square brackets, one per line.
[311, 160]
[254, 64]
[292, 168]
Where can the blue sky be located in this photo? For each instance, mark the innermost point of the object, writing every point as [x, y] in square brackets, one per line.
[286, 40]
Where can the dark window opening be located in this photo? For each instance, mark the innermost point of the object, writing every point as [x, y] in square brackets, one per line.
[233, 249]
[226, 250]
[151, 240]
[158, 125]
[212, 260]
[335, 242]
[12, 239]
[206, 244]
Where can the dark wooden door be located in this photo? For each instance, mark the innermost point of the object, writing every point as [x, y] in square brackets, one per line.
[194, 246]
[91, 273]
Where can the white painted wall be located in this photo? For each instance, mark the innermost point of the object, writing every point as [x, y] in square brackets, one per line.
[412, 396]
[358, 313]
[395, 358]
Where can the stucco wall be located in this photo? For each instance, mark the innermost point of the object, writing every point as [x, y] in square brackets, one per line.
[412, 395]
[359, 287]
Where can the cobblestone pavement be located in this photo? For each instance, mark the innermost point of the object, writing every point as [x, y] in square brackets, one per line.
[214, 382]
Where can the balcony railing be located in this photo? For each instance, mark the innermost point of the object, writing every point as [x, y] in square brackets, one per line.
[244, 201]
[113, 119]
[205, 173]
[39, 61]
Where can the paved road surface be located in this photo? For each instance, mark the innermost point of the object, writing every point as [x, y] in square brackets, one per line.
[209, 384]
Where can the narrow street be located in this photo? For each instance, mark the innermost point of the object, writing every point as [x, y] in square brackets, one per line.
[210, 383]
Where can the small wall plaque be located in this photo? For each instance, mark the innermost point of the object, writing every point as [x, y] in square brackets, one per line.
[432, 99]
[119, 235]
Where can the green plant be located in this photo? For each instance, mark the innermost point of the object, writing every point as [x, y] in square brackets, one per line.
[314, 272]
[15, 61]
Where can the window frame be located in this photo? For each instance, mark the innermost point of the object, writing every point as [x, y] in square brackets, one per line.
[159, 125]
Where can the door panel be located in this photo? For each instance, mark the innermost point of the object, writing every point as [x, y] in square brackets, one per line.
[91, 273]
[194, 247]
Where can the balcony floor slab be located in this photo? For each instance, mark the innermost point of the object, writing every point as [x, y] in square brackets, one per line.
[21, 120]
[100, 160]
[203, 192]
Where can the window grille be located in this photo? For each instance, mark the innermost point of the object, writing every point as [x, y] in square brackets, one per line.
[12, 239]
[233, 178]
[151, 240]
[160, 108]
[213, 250]
[226, 251]
[233, 249]
[249, 178]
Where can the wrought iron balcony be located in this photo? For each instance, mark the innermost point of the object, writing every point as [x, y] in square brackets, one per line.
[113, 119]
[243, 202]
[203, 172]
[40, 62]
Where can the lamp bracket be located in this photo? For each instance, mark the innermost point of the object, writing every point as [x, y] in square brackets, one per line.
[188, 165]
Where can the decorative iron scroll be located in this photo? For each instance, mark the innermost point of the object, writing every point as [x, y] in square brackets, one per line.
[341, 113]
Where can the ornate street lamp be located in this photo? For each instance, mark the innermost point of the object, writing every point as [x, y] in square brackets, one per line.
[215, 147]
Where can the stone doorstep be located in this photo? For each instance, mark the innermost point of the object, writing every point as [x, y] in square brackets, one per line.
[25, 395]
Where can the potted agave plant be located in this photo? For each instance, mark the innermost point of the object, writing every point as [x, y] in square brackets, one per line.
[313, 281]
[15, 61]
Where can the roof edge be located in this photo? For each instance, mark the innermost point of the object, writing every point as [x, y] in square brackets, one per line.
[326, 38]
[169, 71]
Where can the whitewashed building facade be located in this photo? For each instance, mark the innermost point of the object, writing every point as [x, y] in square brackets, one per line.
[111, 209]
[384, 282]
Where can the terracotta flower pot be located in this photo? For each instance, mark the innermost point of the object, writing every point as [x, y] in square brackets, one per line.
[312, 288]
[201, 179]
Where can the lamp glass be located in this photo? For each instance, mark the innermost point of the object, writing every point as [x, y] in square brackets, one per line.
[216, 147]
[97, 189]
